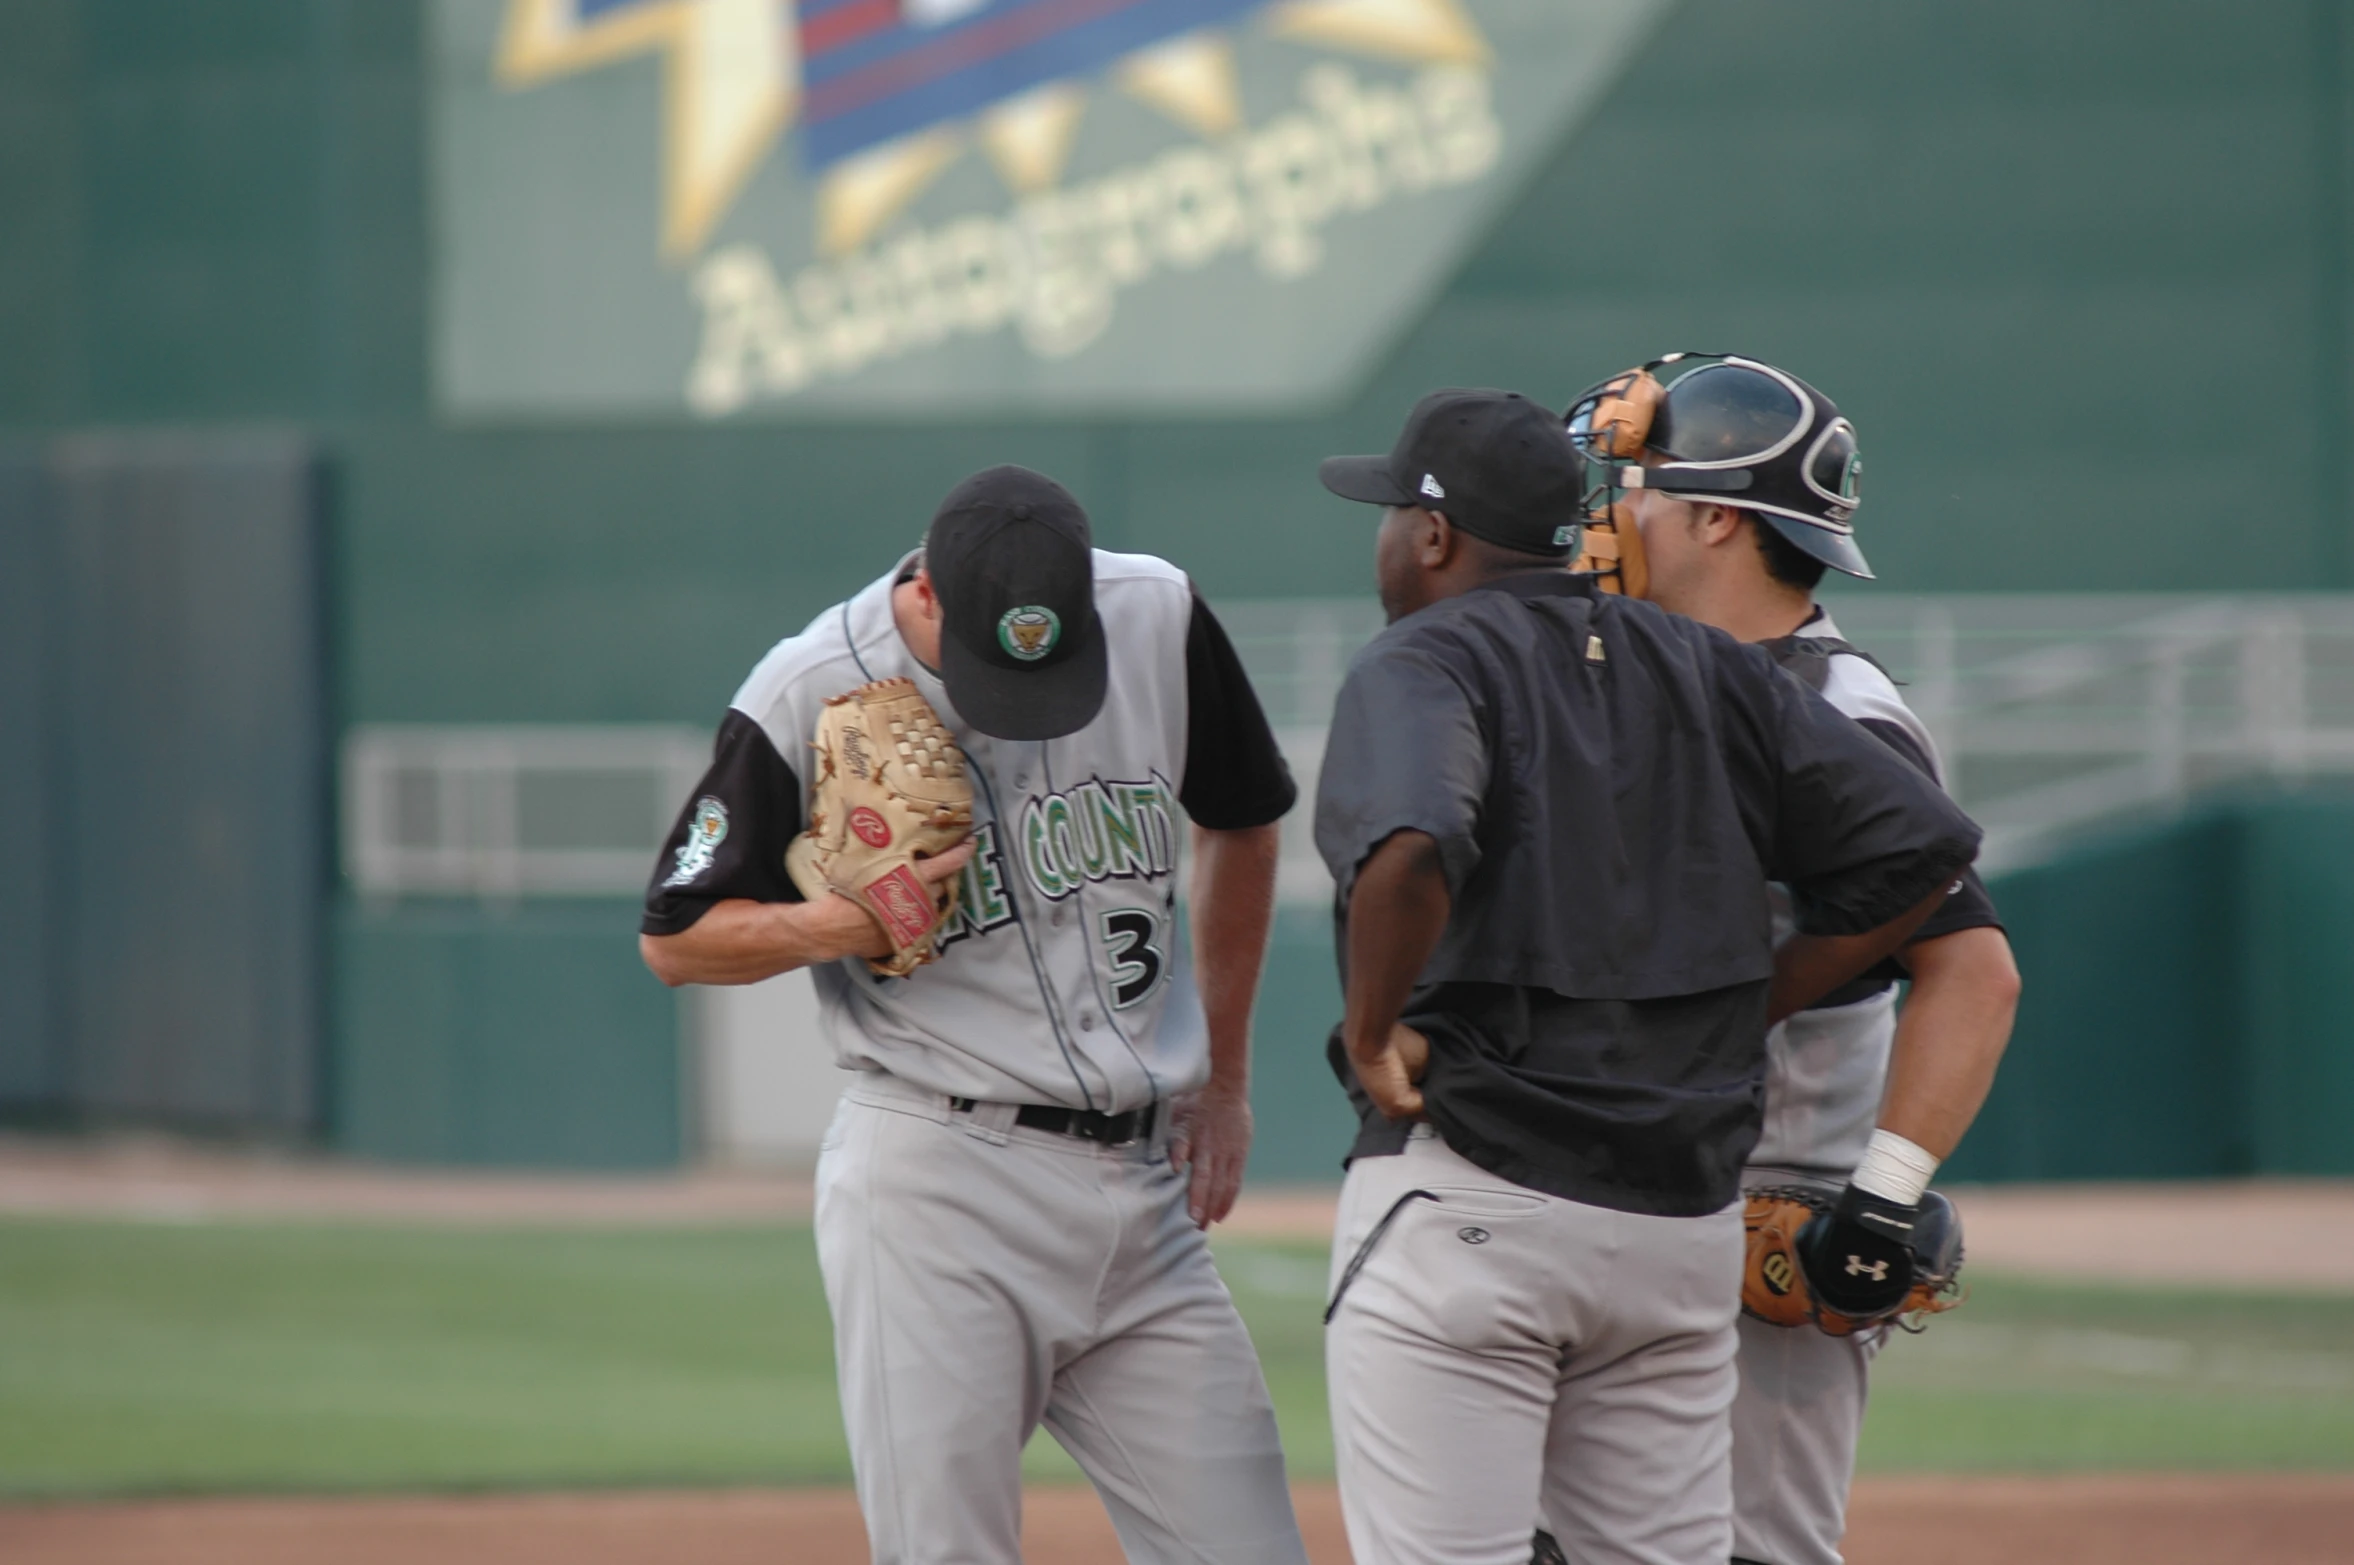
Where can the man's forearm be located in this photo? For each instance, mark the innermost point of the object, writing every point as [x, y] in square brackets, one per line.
[1950, 1038]
[1807, 967]
[1397, 913]
[1233, 912]
[740, 941]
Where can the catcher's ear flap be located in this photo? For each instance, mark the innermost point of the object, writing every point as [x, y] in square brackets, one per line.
[1611, 551]
[1622, 412]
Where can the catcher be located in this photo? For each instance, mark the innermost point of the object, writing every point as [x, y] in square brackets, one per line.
[960, 798]
[1745, 495]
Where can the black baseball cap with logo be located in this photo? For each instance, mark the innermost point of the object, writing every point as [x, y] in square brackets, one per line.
[1011, 557]
[1494, 463]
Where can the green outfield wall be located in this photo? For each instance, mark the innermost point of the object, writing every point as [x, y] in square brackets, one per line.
[2078, 272]
[2189, 1007]
[2189, 1014]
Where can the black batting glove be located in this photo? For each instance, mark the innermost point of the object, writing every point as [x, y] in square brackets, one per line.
[1858, 1256]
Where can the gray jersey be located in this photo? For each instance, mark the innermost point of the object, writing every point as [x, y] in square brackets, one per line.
[1826, 1068]
[1061, 979]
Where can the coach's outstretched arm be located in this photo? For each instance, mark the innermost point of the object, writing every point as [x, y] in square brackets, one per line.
[740, 941]
[1233, 912]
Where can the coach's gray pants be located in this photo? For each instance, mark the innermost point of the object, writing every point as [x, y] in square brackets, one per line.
[985, 1278]
[1796, 1420]
[1504, 1355]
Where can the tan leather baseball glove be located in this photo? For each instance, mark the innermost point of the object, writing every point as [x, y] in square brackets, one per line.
[891, 788]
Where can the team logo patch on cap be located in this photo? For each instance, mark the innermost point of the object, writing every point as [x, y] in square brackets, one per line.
[1029, 632]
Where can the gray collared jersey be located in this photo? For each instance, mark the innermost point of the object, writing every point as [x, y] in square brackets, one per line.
[1061, 978]
[1826, 1067]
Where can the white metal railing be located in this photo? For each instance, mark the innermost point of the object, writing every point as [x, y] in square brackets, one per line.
[510, 811]
[2058, 711]
[2053, 712]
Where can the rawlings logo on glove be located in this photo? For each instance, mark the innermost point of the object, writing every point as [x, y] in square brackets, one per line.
[891, 789]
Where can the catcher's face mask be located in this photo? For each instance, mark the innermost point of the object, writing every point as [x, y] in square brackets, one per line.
[1724, 431]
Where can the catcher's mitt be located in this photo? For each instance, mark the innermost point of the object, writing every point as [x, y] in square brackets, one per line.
[891, 788]
[1774, 1284]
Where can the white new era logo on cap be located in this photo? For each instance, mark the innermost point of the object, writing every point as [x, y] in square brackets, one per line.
[1430, 487]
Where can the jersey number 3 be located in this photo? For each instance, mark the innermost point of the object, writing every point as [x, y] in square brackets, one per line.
[1137, 964]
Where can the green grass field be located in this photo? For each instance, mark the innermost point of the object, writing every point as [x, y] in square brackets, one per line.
[143, 1358]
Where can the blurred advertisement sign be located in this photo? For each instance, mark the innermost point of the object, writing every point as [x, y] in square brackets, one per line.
[783, 208]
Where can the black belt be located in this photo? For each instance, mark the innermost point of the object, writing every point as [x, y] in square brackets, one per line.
[1113, 1130]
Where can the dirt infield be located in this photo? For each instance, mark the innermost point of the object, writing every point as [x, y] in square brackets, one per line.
[1910, 1521]
[2252, 1233]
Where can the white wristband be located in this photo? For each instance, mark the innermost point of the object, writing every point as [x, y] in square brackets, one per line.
[1894, 1169]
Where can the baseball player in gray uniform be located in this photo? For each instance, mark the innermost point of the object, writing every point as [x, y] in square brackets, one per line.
[1552, 816]
[1040, 1125]
[1855, 1089]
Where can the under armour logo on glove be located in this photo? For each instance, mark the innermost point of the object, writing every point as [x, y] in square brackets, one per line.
[1857, 1266]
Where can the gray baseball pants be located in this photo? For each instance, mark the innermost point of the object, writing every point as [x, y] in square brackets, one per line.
[1796, 1420]
[986, 1278]
[1502, 1355]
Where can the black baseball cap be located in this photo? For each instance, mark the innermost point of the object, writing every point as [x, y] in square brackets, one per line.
[1011, 557]
[1498, 465]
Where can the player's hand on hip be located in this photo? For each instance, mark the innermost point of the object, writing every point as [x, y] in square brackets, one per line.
[1389, 1070]
[1210, 1138]
[847, 929]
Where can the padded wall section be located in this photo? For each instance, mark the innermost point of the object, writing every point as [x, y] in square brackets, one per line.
[528, 1037]
[186, 831]
[2127, 1061]
[1304, 1121]
[2187, 1002]
[33, 1081]
[2296, 923]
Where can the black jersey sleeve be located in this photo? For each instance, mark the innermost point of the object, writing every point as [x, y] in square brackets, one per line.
[730, 839]
[1407, 752]
[1235, 775]
[1858, 833]
[1967, 905]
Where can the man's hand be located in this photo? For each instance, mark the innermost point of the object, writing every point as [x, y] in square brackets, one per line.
[1858, 1256]
[1389, 1069]
[854, 931]
[1210, 1138]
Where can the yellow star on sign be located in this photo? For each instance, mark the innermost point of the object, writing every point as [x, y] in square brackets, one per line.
[733, 85]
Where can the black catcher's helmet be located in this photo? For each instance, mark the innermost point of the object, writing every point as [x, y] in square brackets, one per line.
[1731, 431]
